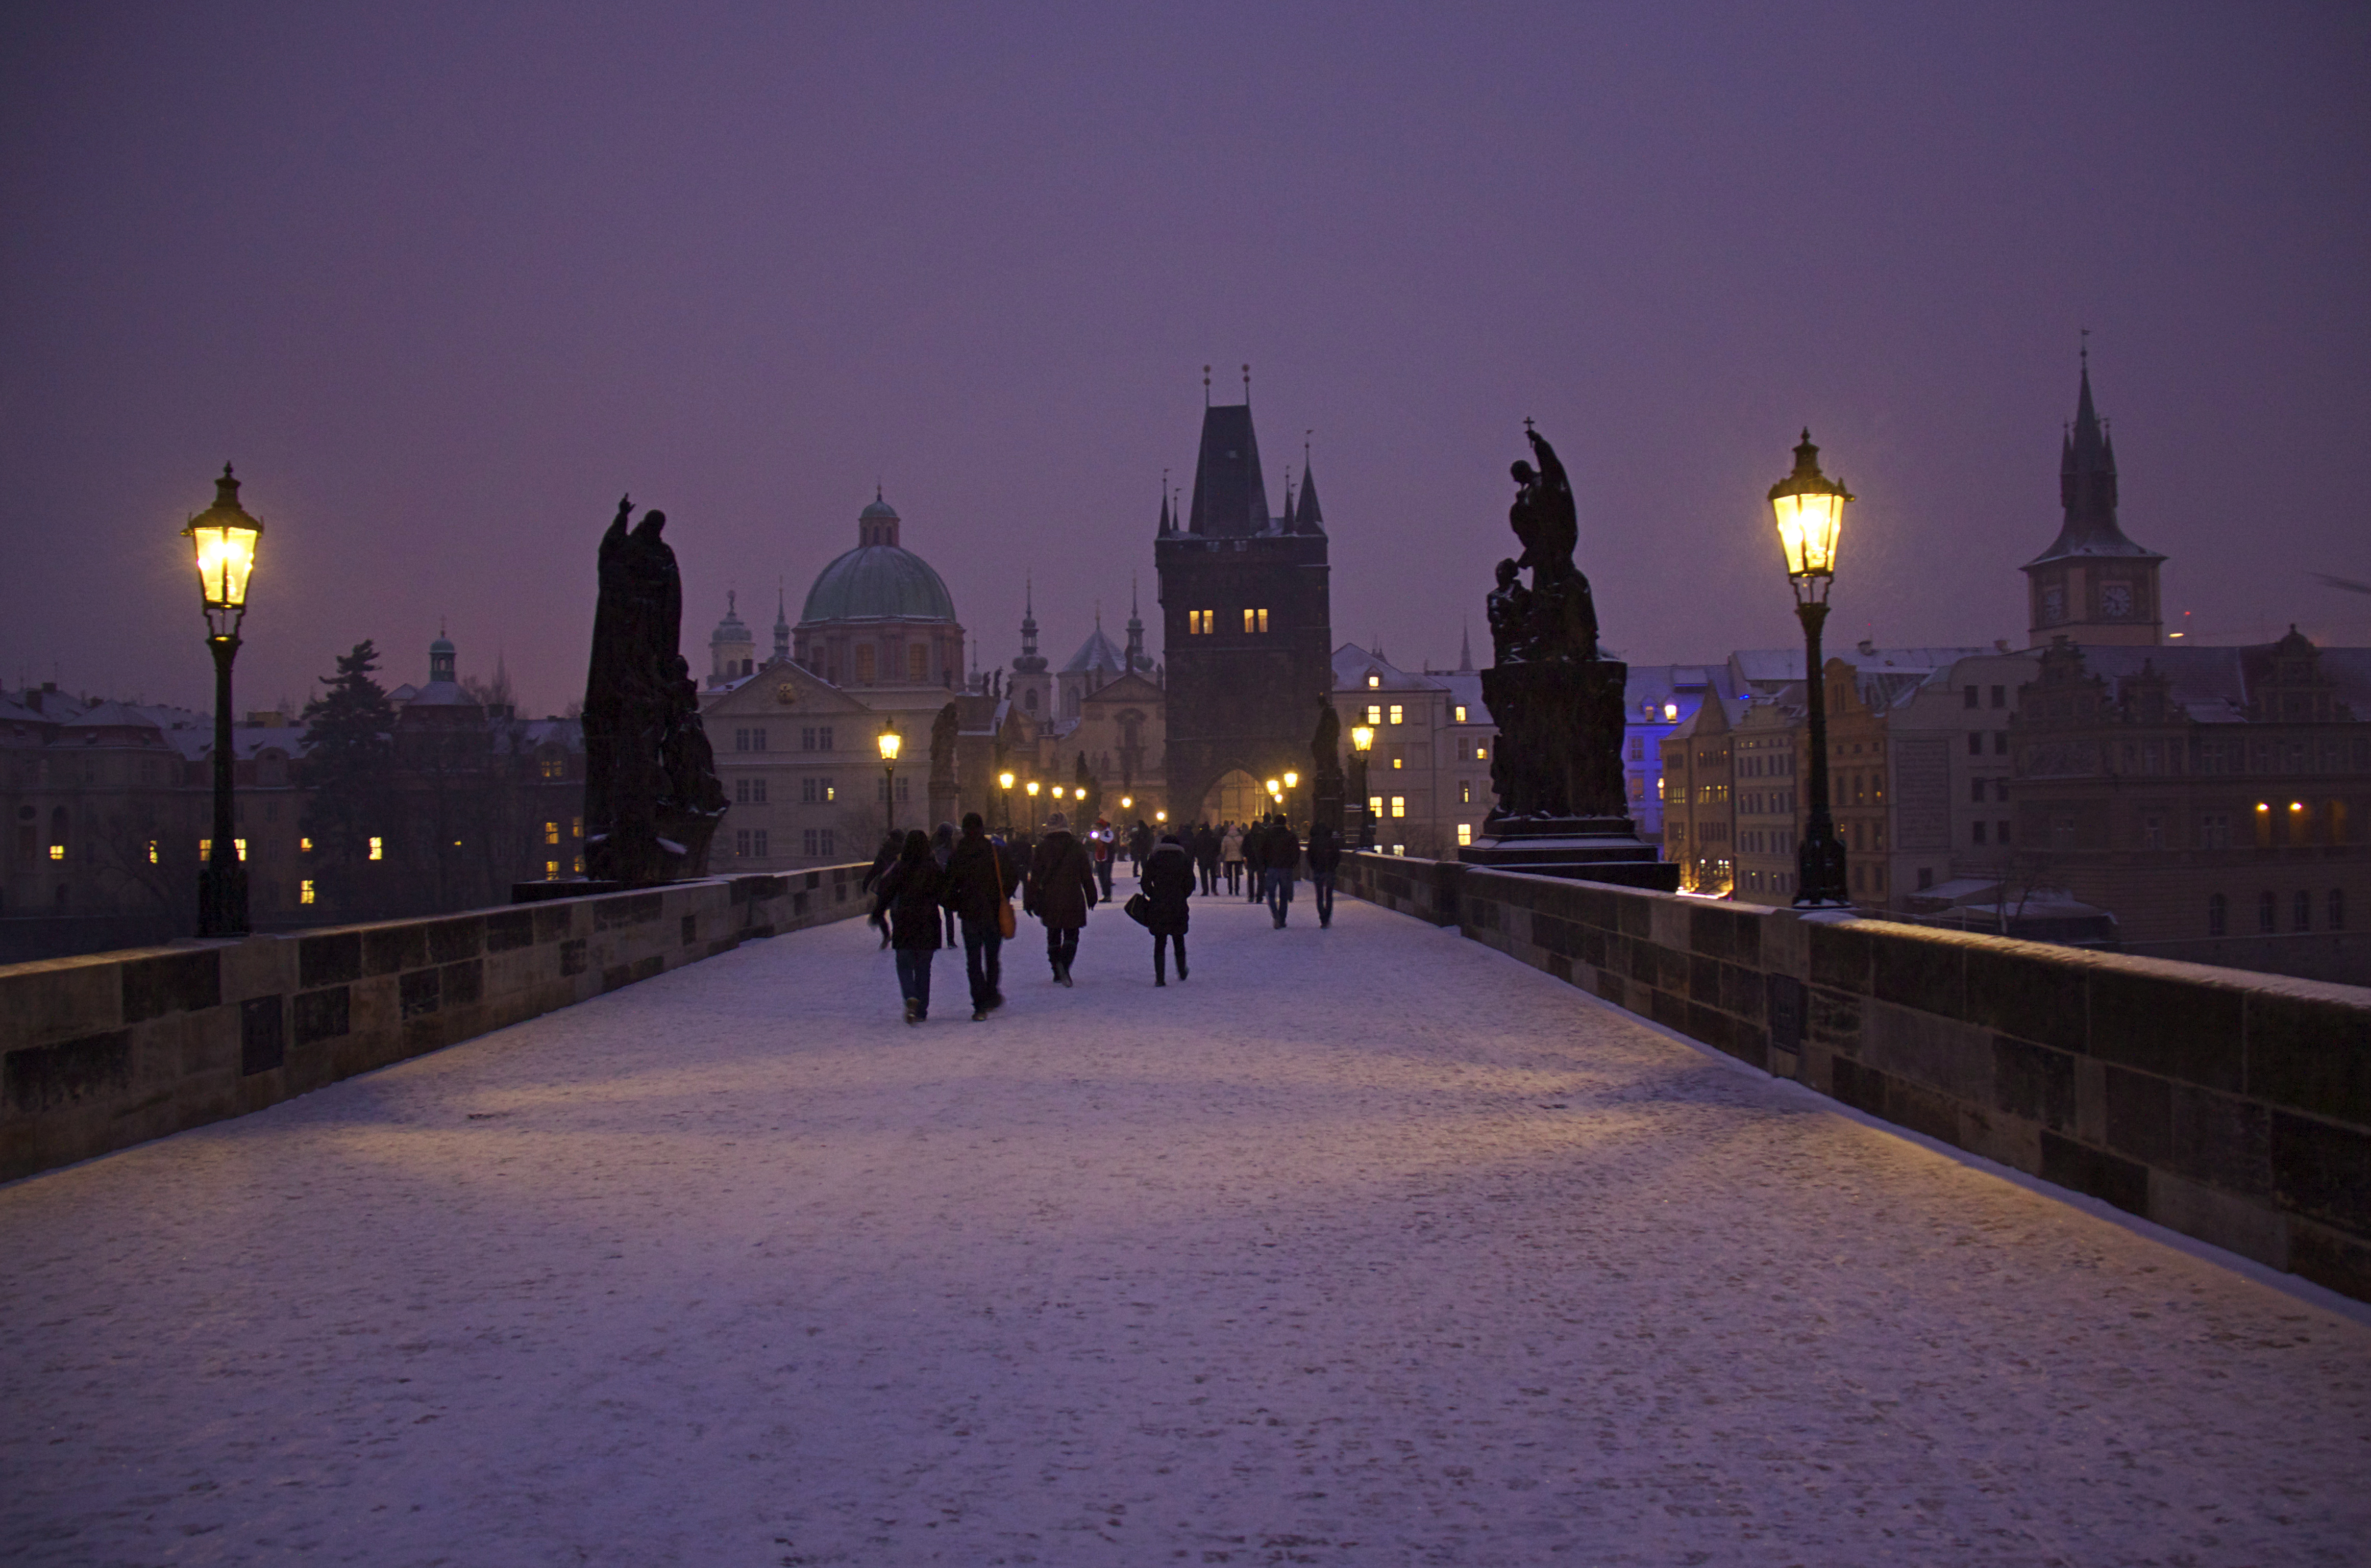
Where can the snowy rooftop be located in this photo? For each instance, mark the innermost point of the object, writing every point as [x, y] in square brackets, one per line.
[732, 1266]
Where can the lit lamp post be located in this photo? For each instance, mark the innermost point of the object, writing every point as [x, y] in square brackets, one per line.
[224, 538]
[1363, 741]
[1810, 508]
[1004, 782]
[890, 741]
[1032, 807]
[1291, 782]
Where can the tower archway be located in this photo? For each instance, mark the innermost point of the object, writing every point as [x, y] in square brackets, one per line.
[1236, 797]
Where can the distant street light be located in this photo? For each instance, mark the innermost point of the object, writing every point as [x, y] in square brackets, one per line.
[1363, 741]
[1810, 511]
[1032, 807]
[224, 537]
[1004, 782]
[889, 742]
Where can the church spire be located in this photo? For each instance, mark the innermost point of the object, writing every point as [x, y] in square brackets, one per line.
[1307, 519]
[2087, 484]
[1465, 649]
[1136, 659]
[781, 624]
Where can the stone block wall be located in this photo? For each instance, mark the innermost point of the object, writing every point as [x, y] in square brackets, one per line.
[102, 1052]
[2228, 1105]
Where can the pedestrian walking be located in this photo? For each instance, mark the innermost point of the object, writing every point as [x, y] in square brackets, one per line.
[1230, 855]
[981, 879]
[1060, 890]
[911, 895]
[1205, 849]
[1256, 860]
[1168, 882]
[1139, 845]
[1324, 860]
[1280, 850]
[943, 844]
[892, 844]
[1099, 837]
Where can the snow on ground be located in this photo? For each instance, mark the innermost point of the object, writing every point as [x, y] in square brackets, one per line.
[1366, 1246]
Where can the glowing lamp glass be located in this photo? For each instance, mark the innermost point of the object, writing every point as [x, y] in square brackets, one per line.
[1033, 789]
[1808, 509]
[890, 741]
[1292, 780]
[1363, 737]
[1004, 780]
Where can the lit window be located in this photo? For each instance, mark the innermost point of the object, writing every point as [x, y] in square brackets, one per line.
[1201, 623]
[1466, 832]
[576, 827]
[551, 833]
[1255, 621]
[580, 865]
[1396, 712]
[306, 845]
[1481, 752]
[305, 891]
[377, 849]
[552, 870]
[58, 851]
[1374, 715]
[1397, 762]
[238, 846]
[1375, 805]
[151, 851]
[1460, 711]
[1375, 680]
[555, 766]
[1399, 805]
[1399, 849]
[1466, 791]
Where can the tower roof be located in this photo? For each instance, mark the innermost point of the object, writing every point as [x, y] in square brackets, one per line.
[730, 630]
[1229, 496]
[1306, 518]
[1097, 652]
[2086, 489]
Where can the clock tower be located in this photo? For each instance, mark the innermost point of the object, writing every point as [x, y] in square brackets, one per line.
[2092, 584]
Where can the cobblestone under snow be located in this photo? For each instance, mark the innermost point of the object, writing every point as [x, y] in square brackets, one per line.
[1366, 1246]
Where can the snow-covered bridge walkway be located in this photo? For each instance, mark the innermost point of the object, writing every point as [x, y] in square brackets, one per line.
[1367, 1246]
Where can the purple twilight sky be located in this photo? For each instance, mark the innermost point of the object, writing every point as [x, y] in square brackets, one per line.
[443, 281]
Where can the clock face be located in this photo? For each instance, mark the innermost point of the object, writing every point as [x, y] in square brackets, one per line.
[2116, 600]
[2054, 603]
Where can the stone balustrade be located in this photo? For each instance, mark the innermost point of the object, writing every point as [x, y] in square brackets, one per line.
[113, 1049]
[2228, 1105]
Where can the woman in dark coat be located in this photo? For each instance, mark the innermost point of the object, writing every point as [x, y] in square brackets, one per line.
[1168, 882]
[912, 893]
[1060, 891]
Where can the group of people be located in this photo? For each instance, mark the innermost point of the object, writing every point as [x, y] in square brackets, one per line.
[960, 884]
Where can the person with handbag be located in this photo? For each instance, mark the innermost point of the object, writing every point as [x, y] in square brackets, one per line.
[1060, 890]
[980, 880]
[1168, 881]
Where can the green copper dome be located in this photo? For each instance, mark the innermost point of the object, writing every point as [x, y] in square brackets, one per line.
[878, 583]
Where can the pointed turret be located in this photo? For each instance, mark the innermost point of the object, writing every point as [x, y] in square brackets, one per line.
[1136, 659]
[1465, 651]
[1167, 528]
[1030, 661]
[1306, 518]
[781, 625]
[2087, 489]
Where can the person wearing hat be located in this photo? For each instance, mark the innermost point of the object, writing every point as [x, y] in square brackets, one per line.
[1060, 891]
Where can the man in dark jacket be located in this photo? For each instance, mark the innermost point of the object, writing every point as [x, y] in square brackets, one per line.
[911, 893]
[1256, 859]
[1280, 853]
[1324, 860]
[1168, 882]
[1060, 891]
[1205, 848]
[980, 881]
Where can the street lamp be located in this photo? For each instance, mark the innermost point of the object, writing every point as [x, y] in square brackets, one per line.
[1004, 782]
[224, 537]
[1032, 807]
[1363, 741]
[1810, 511]
[890, 740]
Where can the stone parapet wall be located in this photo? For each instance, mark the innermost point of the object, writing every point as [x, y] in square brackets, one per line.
[113, 1049]
[2231, 1106]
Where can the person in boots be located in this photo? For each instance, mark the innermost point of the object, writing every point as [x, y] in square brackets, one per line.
[911, 893]
[1230, 855]
[1280, 852]
[980, 882]
[1324, 860]
[1060, 890]
[1168, 882]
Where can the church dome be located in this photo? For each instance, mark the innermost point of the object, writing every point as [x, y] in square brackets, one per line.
[878, 583]
[879, 580]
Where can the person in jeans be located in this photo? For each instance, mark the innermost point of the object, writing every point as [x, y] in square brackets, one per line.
[1168, 881]
[1060, 890]
[980, 881]
[1230, 855]
[1281, 854]
[911, 893]
[1324, 858]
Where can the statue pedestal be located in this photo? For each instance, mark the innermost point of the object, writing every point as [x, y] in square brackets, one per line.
[1606, 849]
